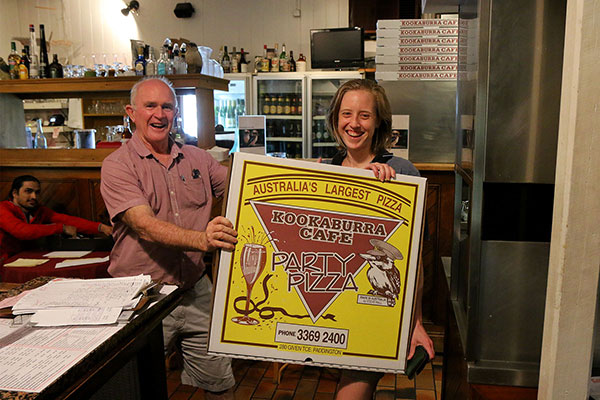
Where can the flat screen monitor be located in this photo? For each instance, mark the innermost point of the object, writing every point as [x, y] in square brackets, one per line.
[337, 48]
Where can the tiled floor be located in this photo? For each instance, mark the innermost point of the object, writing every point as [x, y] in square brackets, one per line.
[254, 380]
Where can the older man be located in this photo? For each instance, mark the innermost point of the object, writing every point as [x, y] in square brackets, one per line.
[23, 219]
[159, 197]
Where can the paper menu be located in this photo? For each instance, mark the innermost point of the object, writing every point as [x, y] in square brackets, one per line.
[38, 357]
[26, 262]
[67, 254]
[108, 292]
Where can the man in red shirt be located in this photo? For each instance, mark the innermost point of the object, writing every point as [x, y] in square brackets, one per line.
[23, 219]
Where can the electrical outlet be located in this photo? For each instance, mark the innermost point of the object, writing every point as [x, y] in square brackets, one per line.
[296, 13]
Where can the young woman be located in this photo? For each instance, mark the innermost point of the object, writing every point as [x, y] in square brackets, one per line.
[360, 120]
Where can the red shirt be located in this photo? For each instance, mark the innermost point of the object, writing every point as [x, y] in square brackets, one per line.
[15, 231]
[181, 194]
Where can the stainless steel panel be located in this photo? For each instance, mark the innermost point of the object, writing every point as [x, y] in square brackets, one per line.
[432, 109]
[512, 289]
[525, 68]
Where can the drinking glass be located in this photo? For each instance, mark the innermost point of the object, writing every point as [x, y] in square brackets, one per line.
[253, 260]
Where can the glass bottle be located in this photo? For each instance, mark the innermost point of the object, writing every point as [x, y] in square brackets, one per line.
[56, 69]
[283, 60]
[234, 62]
[24, 64]
[140, 64]
[273, 105]
[44, 73]
[39, 141]
[243, 62]
[265, 62]
[150, 63]
[161, 65]
[183, 68]
[176, 59]
[34, 67]
[226, 61]
[280, 104]
[292, 62]
[275, 60]
[13, 61]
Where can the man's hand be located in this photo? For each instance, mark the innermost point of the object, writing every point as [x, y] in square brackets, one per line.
[420, 337]
[383, 172]
[220, 234]
[106, 229]
[70, 230]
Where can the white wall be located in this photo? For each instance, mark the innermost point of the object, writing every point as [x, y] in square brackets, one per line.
[81, 27]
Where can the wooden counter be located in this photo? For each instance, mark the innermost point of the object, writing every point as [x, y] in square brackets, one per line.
[86, 88]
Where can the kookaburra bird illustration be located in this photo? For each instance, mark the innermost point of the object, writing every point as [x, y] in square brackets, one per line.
[383, 275]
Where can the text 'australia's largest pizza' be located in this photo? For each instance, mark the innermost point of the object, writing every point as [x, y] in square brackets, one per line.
[324, 271]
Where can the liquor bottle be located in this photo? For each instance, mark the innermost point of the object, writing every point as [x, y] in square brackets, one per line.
[176, 59]
[150, 63]
[293, 105]
[223, 113]
[286, 105]
[220, 55]
[280, 104]
[140, 64]
[234, 61]
[13, 61]
[183, 63]
[291, 129]
[243, 62]
[292, 62]
[24, 65]
[265, 63]
[226, 62]
[241, 107]
[44, 64]
[161, 64]
[273, 105]
[34, 66]
[283, 60]
[56, 69]
[301, 63]
[39, 142]
[171, 64]
[275, 60]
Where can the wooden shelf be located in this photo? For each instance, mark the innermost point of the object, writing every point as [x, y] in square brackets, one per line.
[77, 87]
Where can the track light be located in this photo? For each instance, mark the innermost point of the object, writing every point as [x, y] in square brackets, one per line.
[133, 6]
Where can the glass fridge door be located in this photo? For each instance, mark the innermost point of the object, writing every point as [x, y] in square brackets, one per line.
[322, 88]
[280, 99]
[228, 106]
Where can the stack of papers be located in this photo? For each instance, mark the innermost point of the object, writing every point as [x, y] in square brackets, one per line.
[82, 301]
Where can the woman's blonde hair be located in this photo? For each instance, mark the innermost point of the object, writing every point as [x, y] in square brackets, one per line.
[383, 132]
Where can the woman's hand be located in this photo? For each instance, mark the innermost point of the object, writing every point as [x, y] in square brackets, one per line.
[383, 172]
[420, 337]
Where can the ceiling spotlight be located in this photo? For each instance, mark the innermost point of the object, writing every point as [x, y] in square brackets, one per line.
[133, 6]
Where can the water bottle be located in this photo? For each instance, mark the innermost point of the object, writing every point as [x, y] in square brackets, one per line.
[40, 139]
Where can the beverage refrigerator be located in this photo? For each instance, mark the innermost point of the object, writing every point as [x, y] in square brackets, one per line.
[280, 97]
[293, 128]
[321, 87]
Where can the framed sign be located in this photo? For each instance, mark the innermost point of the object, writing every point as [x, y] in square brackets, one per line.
[251, 133]
[324, 272]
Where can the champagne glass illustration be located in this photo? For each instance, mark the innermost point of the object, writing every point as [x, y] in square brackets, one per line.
[253, 260]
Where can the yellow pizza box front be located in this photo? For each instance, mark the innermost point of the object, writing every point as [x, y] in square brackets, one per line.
[324, 271]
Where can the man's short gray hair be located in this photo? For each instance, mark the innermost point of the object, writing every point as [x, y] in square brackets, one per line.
[164, 80]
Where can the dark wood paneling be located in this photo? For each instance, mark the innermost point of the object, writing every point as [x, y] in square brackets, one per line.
[440, 214]
[365, 13]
